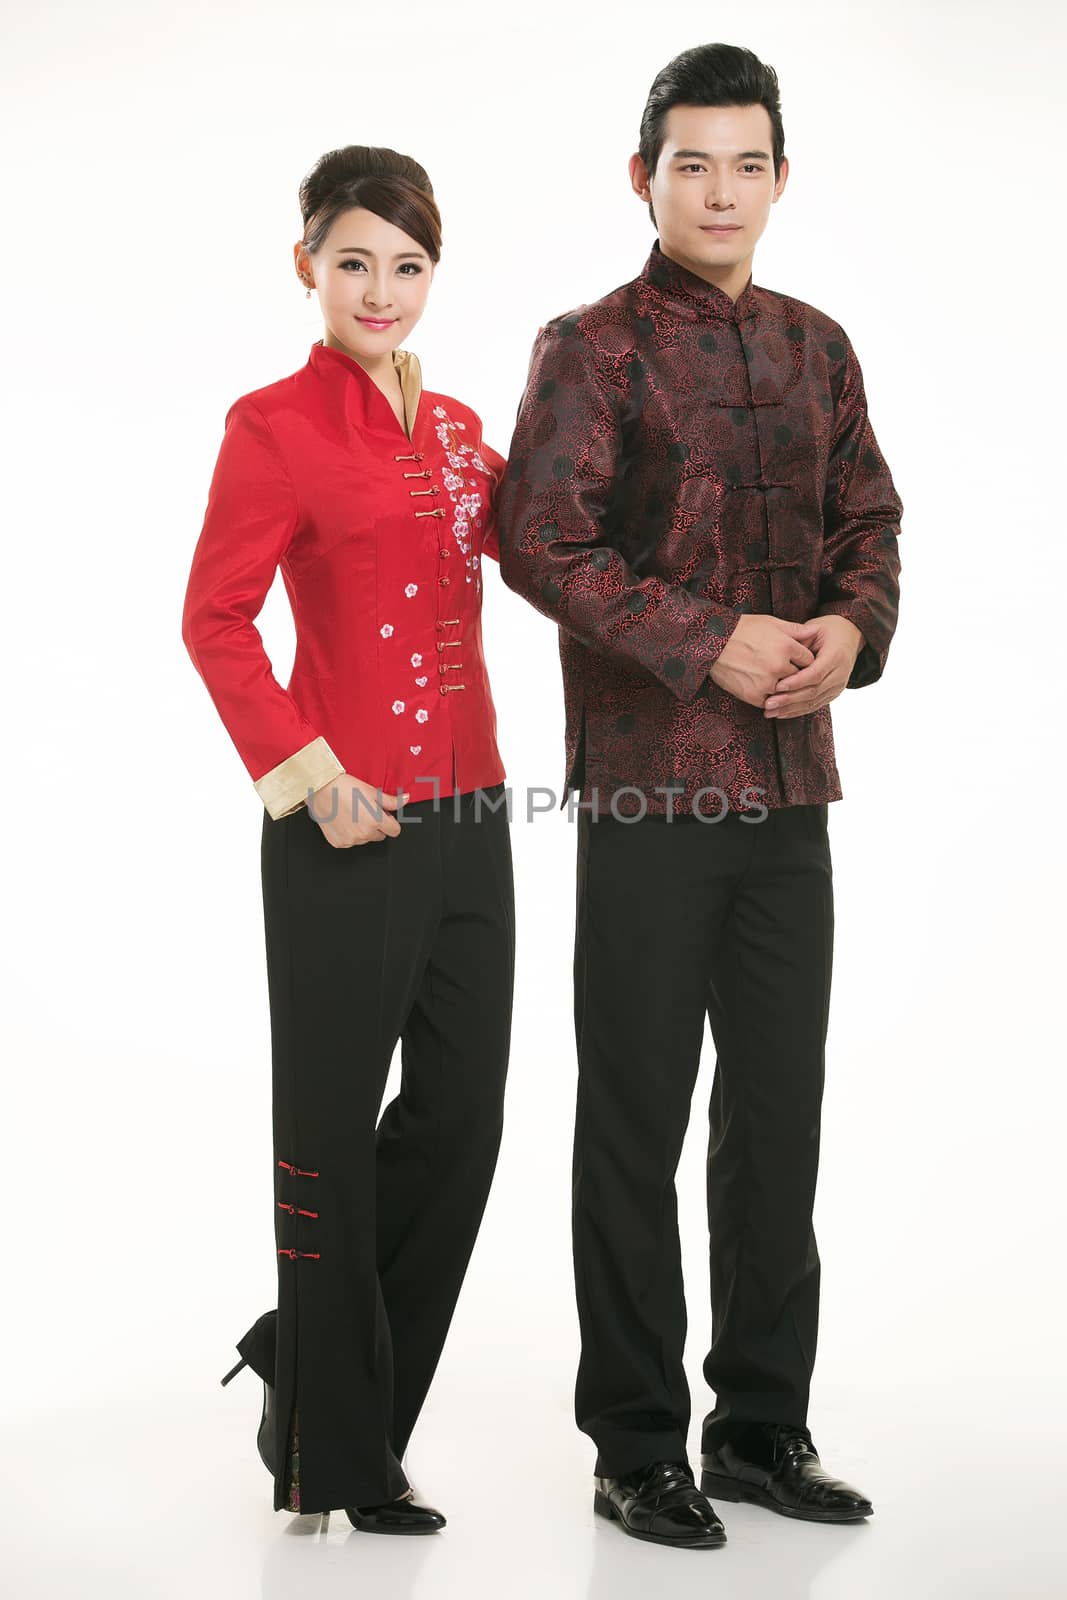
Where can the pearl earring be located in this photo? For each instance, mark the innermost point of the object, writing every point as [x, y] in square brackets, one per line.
[307, 294]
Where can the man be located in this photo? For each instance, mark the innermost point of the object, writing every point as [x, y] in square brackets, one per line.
[696, 497]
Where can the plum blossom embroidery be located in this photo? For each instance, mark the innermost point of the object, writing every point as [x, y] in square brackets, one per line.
[422, 682]
[468, 502]
[398, 706]
[411, 590]
[422, 716]
[386, 630]
[416, 749]
[416, 660]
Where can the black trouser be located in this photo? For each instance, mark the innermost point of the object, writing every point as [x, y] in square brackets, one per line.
[409, 938]
[677, 920]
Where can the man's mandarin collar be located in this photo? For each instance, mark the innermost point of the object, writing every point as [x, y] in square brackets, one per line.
[706, 298]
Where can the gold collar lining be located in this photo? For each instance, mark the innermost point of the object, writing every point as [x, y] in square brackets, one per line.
[407, 365]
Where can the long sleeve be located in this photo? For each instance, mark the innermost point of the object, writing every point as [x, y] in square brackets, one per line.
[250, 519]
[560, 489]
[497, 465]
[862, 511]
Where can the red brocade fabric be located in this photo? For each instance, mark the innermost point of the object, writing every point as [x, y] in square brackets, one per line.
[680, 459]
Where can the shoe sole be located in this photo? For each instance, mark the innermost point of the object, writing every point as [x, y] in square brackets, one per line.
[719, 1488]
[605, 1508]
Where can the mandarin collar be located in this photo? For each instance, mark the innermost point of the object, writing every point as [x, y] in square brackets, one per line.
[677, 283]
[365, 403]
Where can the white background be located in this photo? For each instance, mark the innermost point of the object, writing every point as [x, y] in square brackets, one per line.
[149, 206]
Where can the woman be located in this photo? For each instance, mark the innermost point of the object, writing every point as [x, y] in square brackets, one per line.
[384, 920]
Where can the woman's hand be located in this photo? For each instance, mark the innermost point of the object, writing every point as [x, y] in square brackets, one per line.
[348, 812]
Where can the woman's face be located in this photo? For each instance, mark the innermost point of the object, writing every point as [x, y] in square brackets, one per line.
[372, 281]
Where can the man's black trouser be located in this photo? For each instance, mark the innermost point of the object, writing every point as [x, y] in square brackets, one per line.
[677, 920]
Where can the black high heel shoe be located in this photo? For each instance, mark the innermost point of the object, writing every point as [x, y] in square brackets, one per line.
[256, 1349]
[396, 1516]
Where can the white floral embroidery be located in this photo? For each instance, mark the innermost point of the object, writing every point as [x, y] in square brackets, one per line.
[411, 590]
[416, 749]
[416, 660]
[422, 682]
[467, 503]
[398, 706]
[387, 630]
[422, 716]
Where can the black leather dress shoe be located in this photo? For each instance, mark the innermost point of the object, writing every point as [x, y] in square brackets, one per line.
[395, 1516]
[662, 1504]
[776, 1465]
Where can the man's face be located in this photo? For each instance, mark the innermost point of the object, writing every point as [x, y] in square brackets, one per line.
[713, 186]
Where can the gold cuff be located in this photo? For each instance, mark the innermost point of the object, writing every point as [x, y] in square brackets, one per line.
[285, 787]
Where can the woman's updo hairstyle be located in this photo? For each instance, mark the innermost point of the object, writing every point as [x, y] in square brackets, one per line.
[393, 186]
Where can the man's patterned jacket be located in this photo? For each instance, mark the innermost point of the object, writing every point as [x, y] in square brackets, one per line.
[679, 459]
